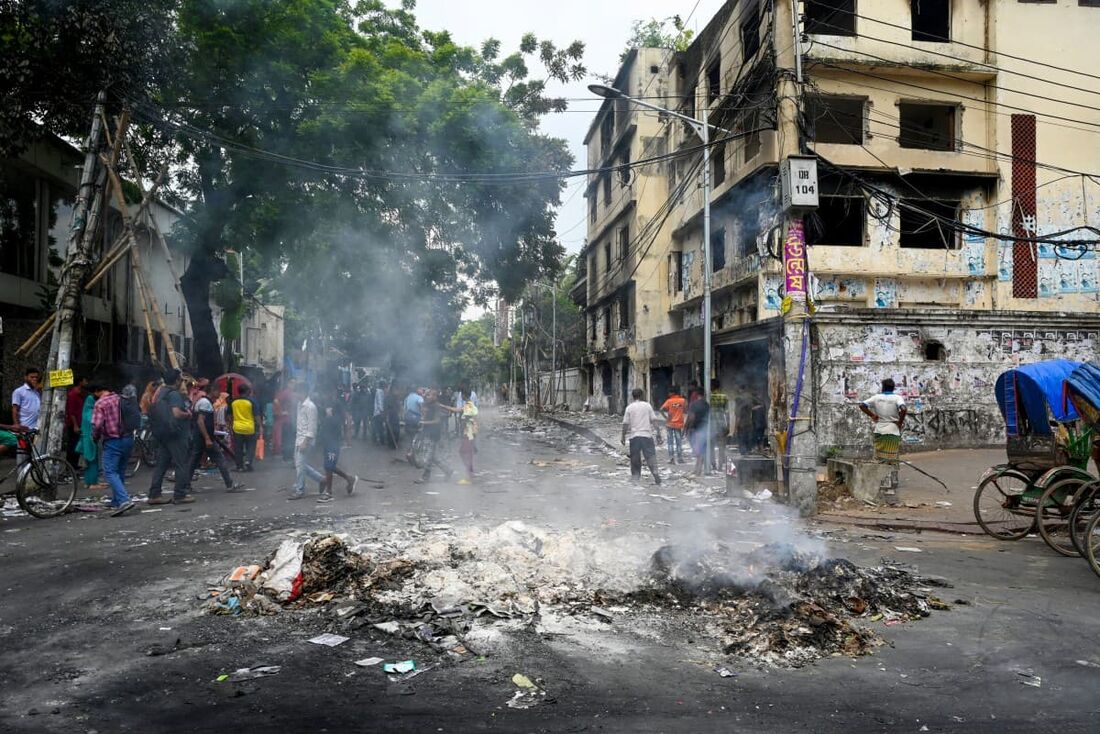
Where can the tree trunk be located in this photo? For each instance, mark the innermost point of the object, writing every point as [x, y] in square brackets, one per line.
[203, 270]
[78, 261]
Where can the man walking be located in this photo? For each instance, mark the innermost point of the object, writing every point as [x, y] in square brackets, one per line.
[330, 433]
[247, 423]
[306, 435]
[205, 441]
[169, 419]
[673, 410]
[697, 423]
[887, 412]
[639, 425]
[414, 401]
[432, 424]
[114, 422]
[378, 416]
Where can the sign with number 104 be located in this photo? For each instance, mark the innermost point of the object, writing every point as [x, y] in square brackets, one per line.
[798, 176]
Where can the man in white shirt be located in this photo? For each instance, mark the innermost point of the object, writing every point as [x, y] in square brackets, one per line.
[640, 424]
[378, 417]
[887, 412]
[306, 437]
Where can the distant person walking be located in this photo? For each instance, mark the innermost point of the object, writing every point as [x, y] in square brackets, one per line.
[378, 415]
[205, 438]
[74, 416]
[639, 427]
[414, 402]
[284, 415]
[467, 446]
[393, 415]
[697, 423]
[114, 421]
[247, 424]
[169, 419]
[305, 437]
[432, 425]
[674, 409]
[87, 446]
[887, 413]
[330, 434]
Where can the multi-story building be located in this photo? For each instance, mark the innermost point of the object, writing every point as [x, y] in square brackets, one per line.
[37, 190]
[949, 135]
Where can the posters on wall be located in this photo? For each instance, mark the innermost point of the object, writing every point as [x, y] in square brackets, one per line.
[886, 293]
[773, 292]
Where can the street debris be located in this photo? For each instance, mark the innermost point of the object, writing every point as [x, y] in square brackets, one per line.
[329, 640]
[528, 695]
[368, 662]
[724, 672]
[907, 549]
[458, 590]
[259, 671]
[404, 666]
[1028, 678]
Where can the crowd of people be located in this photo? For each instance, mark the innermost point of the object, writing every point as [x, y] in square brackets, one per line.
[224, 425]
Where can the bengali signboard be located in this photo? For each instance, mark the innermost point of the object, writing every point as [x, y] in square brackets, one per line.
[794, 261]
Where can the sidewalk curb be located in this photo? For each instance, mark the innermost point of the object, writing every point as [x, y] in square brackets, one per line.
[954, 528]
[584, 431]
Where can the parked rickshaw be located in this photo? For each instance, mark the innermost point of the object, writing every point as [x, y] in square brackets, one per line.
[1047, 450]
[1083, 392]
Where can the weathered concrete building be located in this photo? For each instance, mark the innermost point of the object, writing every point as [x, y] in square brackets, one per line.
[945, 148]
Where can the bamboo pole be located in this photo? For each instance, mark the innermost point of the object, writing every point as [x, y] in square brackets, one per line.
[128, 227]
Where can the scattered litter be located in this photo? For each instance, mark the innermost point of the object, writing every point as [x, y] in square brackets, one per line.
[528, 695]
[259, 671]
[944, 503]
[242, 574]
[1028, 678]
[152, 509]
[165, 629]
[391, 628]
[329, 640]
[404, 666]
[283, 577]
[368, 662]
[724, 671]
[602, 613]
[1088, 664]
[907, 549]
[665, 497]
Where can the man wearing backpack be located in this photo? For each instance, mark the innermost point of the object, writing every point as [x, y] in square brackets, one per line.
[169, 419]
[114, 421]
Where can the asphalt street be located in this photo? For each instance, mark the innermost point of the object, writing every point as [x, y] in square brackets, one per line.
[103, 631]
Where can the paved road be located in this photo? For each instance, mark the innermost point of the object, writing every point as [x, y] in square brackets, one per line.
[87, 596]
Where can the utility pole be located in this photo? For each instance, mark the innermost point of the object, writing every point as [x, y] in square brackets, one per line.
[554, 346]
[78, 261]
[799, 460]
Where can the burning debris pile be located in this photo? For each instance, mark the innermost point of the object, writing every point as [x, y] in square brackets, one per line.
[786, 606]
[454, 589]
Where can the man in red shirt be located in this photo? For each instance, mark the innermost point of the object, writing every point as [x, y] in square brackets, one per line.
[74, 413]
[673, 410]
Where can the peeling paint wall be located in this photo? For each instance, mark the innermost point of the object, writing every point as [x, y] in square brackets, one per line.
[951, 402]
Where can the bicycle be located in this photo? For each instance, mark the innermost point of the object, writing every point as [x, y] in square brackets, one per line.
[145, 452]
[418, 450]
[45, 485]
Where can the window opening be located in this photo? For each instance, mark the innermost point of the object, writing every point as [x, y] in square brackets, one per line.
[830, 17]
[932, 231]
[839, 220]
[836, 119]
[927, 126]
[931, 20]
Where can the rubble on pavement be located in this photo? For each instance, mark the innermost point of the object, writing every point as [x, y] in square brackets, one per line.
[454, 588]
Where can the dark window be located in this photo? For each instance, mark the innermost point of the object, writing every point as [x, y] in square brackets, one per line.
[933, 230]
[676, 271]
[624, 312]
[1087, 3]
[931, 20]
[714, 79]
[927, 126]
[624, 169]
[838, 220]
[718, 161]
[607, 128]
[605, 374]
[607, 190]
[606, 321]
[934, 351]
[747, 231]
[18, 233]
[836, 119]
[750, 34]
[624, 242]
[592, 205]
[592, 328]
[717, 250]
[607, 256]
[653, 68]
[830, 17]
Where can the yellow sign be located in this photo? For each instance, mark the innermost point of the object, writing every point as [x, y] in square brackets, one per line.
[61, 378]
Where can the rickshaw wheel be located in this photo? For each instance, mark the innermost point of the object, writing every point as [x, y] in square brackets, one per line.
[1090, 542]
[1053, 513]
[998, 505]
[1088, 503]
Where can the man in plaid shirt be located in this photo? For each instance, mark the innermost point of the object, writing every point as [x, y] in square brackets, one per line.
[117, 444]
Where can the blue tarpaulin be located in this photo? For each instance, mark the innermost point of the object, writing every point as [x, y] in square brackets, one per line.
[1084, 385]
[1027, 393]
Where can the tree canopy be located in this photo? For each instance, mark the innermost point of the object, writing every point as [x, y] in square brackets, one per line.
[667, 33]
[375, 176]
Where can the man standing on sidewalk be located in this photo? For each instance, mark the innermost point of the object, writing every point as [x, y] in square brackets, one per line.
[639, 425]
[306, 436]
[887, 412]
[169, 419]
[116, 430]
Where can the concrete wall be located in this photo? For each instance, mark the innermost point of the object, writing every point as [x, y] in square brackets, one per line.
[951, 402]
[572, 387]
